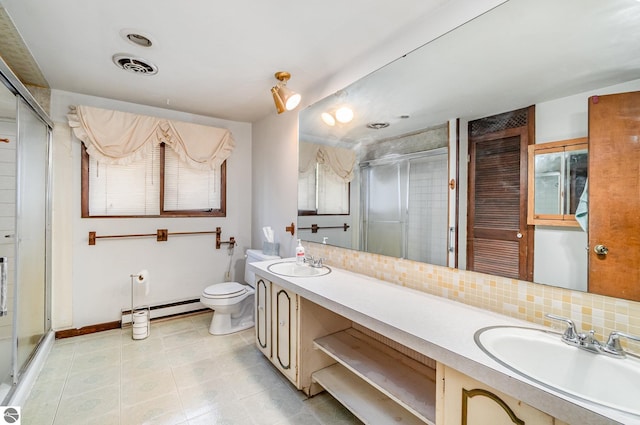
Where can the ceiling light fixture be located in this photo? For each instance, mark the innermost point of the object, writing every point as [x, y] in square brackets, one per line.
[284, 98]
[139, 38]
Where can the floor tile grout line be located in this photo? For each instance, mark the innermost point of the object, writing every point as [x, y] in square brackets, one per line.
[66, 381]
[228, 344]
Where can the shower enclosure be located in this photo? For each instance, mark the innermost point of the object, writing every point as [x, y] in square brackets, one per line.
[405, 206]
[24, 231]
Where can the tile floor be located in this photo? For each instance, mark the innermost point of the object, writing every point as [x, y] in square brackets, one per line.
[179, 375]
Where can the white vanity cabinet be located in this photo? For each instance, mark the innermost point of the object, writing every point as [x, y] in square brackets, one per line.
[277, 326]
[463, 400]
[280, 317]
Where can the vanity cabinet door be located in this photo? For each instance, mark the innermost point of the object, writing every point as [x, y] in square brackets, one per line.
[277, 320]
[469, 402]
[263, 316]
[285, 331]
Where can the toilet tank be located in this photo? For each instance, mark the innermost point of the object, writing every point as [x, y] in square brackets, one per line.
[254, 255]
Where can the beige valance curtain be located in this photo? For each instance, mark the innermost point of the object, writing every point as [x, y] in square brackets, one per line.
[341, 161]
[115, 137]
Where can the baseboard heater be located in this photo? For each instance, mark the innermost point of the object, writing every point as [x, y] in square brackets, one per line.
[166, 310]
[157, 311]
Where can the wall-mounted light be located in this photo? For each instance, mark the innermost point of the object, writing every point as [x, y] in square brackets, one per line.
[342, 115]
[284, 98]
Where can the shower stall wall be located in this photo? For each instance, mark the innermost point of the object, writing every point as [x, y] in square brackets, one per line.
[25, 207]
[405, 206]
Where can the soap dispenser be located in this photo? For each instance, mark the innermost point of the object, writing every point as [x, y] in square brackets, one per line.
[300, 253]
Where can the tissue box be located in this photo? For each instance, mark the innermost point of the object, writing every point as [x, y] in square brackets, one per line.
[270, 248]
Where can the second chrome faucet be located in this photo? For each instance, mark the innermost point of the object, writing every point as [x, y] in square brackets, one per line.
[587, 341]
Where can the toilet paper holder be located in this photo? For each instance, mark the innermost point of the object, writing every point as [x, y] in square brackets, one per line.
[141, 315]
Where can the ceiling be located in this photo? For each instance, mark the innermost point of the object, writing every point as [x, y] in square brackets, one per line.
[214, 58]
[518, 54]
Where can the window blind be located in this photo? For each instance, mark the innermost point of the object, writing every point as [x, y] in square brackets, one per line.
[187, 189]
[132, 189]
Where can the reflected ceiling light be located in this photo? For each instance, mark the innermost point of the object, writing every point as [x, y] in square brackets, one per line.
[344, 114]
[284, 98]
[328, 119]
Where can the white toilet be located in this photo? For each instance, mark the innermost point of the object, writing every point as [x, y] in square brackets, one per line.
[232, 302]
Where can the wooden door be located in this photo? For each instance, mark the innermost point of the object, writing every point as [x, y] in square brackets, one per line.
[614, 195]
[499, 241]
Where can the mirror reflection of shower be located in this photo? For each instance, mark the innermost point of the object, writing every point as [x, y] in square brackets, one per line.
[405, 206]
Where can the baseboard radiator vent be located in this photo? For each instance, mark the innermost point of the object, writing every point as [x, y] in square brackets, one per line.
[157, 312]
[167, 310]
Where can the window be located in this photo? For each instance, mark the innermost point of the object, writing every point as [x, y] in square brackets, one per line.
[157, 185]
[557, 180]
[321, 192]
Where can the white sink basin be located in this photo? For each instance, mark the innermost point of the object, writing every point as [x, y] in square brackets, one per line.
[542, 357]
[292, 269]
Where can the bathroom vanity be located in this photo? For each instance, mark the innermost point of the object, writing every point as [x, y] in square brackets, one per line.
[392, 354]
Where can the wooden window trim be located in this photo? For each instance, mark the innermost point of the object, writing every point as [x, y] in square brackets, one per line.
[561, 220]
[221, 212]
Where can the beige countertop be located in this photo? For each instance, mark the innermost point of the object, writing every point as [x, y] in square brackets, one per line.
[439, 328]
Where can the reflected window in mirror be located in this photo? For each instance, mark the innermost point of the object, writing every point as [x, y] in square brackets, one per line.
[321, 193]
[324, 177]
[557, 180]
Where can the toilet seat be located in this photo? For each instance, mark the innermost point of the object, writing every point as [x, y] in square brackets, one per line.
[224, 290]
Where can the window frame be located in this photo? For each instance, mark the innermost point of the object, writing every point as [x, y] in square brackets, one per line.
[220, 212]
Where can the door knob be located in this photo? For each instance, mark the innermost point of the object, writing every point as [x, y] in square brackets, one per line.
[519, 235]
[601, 250]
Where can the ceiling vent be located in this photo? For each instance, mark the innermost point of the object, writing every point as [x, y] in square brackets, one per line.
[134, 64]
[377, 125]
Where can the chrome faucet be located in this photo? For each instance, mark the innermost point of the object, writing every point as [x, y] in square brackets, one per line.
[317, 263]
[571, 336]
[613, 347]
[588, 342]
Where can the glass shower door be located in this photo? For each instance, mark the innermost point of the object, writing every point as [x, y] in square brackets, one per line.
[384, 214]
[428, 209]
[405, 206]
[32, 226]
[7, 233]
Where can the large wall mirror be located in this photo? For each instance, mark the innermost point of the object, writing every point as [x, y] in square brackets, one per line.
[379, 180]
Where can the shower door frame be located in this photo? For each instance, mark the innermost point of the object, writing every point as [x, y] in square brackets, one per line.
[22, 94]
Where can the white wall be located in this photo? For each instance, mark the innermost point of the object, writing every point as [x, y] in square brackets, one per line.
[275, 179]
[62, 227]
[179, 268]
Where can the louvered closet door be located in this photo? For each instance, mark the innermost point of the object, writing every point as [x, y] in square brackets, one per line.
[498, 236]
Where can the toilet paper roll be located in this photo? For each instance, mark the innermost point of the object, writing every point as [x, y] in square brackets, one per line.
[140, 333]
[140, 317]
[142, 277]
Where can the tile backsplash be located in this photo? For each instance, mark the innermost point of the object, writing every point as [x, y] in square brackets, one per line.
[511, 297]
